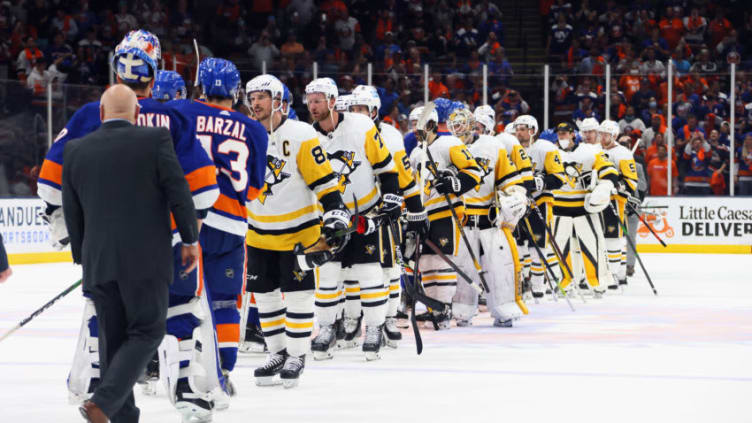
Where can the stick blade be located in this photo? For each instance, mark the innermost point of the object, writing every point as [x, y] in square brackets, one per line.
[428, 108]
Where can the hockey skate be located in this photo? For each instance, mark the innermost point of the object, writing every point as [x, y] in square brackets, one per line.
[323, 343]
[266, 374]
[392, 332]
[292, 370]
[463, 323]
[221, 395]
[372, 343]
[441, 320]
[352, 333]
[193, 407]
[254, 341]
[503, 323]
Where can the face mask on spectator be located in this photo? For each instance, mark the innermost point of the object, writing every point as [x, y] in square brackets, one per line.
[653, 104]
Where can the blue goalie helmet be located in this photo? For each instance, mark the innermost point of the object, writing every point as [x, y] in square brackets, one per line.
[169, 86]
[137, 56]
[443, 108]
[219, 78]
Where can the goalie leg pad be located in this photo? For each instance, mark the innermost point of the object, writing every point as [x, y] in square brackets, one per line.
[498, 262]
[298, 321]
[563, 229]
[465, 300]
[593, 246]
[329, 297]
[373, 294]
[84, 373]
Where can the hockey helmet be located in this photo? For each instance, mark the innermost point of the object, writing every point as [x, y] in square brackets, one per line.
[219, 78]
[169, 85]
[137, 56]
[366, 95]
[486, 116]
[326, 86]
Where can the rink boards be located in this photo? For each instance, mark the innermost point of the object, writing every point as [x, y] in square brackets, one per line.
[721, 225]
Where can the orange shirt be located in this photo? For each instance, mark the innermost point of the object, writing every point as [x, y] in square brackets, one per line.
[671, 31]
[658, 175]
[437, 89]
[630, 84]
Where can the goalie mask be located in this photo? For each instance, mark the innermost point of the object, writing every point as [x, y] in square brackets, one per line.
[461, 123]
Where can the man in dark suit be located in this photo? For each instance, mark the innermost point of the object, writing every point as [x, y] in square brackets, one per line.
[120, 184]
[5, 270]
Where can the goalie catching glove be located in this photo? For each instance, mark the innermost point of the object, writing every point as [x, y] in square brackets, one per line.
[598, 199]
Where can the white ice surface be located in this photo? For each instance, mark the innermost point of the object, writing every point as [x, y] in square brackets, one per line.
[684, 356]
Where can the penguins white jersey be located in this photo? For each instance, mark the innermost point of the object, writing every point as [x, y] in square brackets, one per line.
[357, 153]
[298, 175]
[396, 146]
[498, 172]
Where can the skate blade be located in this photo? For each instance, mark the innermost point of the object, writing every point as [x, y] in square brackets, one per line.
[504, 324]
[346, 345]
[192, 413]
[290, 383]
[372, 355]
[322, 355]
[149, 388]
[267, 381]
[392, 343]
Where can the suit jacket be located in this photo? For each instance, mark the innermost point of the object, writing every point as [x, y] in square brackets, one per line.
[120, 184]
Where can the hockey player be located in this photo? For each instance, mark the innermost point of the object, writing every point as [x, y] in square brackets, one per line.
[452, 172]
[589, 130]
[135, 61]
[287, 101]
[358, 156]
[577, 227]
[626, 187]
[168, 86]
[299, 181]
[549, 175]
[365, 100]
[482, 225]
[410, 141]
[238, 146]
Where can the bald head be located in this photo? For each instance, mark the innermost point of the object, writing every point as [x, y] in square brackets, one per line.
[119, 102]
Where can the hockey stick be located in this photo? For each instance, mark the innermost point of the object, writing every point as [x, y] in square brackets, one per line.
[411, 289]
[551, 239]
[41, 309]
[436, 250]
[633, 247]
[198, 62]
[529, 234]
[633, 210]
[432, 168]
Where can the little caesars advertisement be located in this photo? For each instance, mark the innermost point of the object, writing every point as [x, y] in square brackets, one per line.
[697, 224]
[25, 234]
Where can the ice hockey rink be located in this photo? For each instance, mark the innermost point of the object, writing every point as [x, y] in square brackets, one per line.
[683, 356]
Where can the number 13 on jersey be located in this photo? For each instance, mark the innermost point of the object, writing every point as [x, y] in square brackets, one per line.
[231, 161]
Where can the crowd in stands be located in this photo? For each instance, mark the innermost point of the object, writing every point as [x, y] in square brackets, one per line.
[46, 41]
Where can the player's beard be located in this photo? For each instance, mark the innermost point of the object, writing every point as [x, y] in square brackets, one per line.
[324, 116]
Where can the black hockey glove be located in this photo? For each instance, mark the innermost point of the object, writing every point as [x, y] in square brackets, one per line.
[417, 223]
[391, 206]
[335, 227]
[447, 182]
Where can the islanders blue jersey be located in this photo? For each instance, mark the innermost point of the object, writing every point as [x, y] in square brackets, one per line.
[198, 168]
[237, 145]
[410, 142]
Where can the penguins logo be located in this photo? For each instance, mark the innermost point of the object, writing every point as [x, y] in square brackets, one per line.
[274, 176]
[428, 184]
[346, 163]
[484, 166]
[370, 248]
[443, 241]
[298, 275]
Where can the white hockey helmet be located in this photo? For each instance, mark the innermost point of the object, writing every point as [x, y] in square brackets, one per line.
[589, 124]
[366, 95]
[343, 103]
[529, 121]
[326, 86]
[266, 83]
[509, 129]
[609, 127]
[486, 116]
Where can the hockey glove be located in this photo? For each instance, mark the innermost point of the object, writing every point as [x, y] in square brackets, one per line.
[417, 223]
[306, 262]
[58, 231]
[364, 225]
[540, 183]
[391, 206]
[512, 208]
[335, 227]
[447, 182]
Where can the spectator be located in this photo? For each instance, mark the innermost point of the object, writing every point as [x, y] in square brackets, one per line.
[499, 69]
[652, 67]
[586, 109]
[641, 100]
[594, 64]
[704, 64]
[27, 57]
[658, 43]
[263, 51]
[60, 53]
[125, 21]
[63, 22]
[346, 27]
[656, 128]
[694, 26]
[697, 179]
[658, 174]
[679, 62]
[630, 83]
[513, 101]
[388, 97]
[91, 43]
[690, 130]
[632, 121]
[671, 27]
[490, 47]
[436, 87]
[291, 48]
[718, 29]
[651, 152]
[560, 39]
[38, 78]
[744, 166]
[466, 39]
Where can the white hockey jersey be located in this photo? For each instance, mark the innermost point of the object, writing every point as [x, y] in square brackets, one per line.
[498, 170]
[624, 163]
[545, 159]
[569, 200]
[396, 146]
[298, 174]
[449, 153]
[357, 153]
[518, 155]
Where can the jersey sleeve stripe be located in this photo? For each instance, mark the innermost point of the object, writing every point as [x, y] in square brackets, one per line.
[202, 178]
[229, 207]
[321, 181]
[383, 163]
[253, 193]
[51, 174]
[325, 191]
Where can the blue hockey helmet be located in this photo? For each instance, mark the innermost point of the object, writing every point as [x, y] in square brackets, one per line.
[137, 56]
[219, 78]
[443, 108]
[169, 85]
